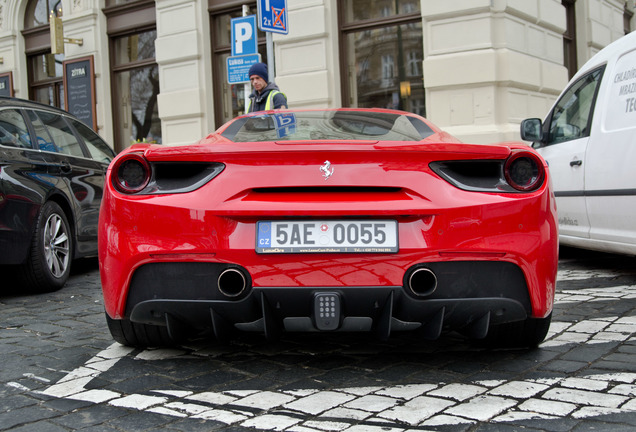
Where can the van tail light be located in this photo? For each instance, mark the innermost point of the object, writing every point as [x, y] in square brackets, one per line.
[524, 171]
[131, 174]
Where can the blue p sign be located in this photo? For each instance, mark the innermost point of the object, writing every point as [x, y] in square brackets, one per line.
[244, 38]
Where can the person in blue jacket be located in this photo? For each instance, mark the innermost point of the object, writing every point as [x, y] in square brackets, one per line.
[266, 95]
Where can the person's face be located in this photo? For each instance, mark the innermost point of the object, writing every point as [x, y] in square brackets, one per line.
[258, 83]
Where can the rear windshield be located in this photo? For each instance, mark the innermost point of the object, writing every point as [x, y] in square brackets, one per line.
[327, 125]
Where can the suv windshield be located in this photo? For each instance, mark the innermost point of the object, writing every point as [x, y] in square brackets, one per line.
[327, 125]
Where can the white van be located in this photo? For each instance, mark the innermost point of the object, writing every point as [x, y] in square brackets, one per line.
[589, 141]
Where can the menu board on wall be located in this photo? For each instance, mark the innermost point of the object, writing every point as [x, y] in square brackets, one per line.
[6, 84]
[79, 90]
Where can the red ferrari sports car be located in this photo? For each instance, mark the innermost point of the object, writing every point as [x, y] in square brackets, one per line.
[344, 220]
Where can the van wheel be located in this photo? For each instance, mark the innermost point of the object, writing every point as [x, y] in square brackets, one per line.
[138, 335]
[521, 334]
[48, 263]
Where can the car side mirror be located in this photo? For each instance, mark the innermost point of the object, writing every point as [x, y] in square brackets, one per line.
[531, 130]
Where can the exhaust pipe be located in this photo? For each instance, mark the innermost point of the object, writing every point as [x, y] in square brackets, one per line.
[422, 282]
[231, 282]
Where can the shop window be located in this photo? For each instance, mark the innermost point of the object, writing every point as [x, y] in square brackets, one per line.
[136, 86]
[229, 99]
[44, 68]
[134, 71]
[381, 45]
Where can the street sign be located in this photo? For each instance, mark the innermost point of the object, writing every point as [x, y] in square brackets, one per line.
[238, 68]
[244, 38]
[272, 16]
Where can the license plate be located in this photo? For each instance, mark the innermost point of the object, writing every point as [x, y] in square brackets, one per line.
[329, 236]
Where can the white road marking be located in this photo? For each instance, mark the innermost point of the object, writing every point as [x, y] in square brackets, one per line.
[379, 408]
[416, 405]
[37, 378]
[18, 386]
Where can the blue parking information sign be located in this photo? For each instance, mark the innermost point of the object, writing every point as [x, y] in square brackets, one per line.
[272, 16]
[238, 68]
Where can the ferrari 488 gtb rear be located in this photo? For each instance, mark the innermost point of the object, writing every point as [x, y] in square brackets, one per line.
[347, 220]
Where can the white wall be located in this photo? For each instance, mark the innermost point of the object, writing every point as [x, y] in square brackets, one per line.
[489, 64]
[599, 23]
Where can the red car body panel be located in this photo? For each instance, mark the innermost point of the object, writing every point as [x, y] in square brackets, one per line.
[437, 222]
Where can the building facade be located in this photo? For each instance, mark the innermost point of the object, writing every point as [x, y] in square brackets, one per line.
[156, 70]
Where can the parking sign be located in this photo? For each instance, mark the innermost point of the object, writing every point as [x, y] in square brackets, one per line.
[272, 16]
[244, 38]
[238, 68]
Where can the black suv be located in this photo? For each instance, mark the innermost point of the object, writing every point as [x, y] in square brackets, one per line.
[52, 169]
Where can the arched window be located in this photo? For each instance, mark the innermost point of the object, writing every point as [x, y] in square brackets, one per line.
[38, 12]
[44, 68]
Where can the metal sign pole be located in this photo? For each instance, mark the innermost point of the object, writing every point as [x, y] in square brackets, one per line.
[247, 87]
[271, 65]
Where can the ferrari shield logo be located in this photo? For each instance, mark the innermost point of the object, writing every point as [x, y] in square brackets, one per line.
[327, 170]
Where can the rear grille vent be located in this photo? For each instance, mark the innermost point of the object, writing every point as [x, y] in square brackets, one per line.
[328, 189]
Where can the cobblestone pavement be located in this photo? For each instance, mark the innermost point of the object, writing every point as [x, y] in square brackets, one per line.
[61, 371]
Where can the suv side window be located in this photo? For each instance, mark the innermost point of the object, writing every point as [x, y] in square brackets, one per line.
[43, 139]
[62, 134]
[13, 129]
[572, 115]
[99, 150]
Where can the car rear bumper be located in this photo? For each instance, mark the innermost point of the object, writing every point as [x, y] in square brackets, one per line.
[468, 296]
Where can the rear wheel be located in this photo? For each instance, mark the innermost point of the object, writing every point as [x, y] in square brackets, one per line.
[139, 335]
[528, 333]
[48, 264]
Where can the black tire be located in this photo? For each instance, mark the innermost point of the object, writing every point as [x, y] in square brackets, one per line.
[48, 263]
[521, 334]
[138, 335]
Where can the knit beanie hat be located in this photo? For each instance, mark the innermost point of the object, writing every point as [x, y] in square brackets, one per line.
[259, 69]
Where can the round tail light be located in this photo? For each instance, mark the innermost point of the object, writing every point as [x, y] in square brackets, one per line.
[131, 173]
[524, 171]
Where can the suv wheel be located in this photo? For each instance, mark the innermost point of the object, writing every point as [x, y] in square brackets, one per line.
[48, 264]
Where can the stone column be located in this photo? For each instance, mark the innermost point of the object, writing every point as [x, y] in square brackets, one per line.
[183, 54]
[488, 64]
